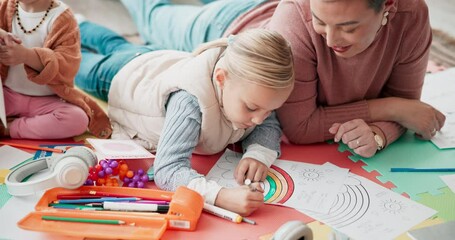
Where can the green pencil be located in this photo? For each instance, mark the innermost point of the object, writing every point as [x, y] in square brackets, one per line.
[84, 220]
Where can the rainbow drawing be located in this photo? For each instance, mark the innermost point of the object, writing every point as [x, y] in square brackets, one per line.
[278, 186]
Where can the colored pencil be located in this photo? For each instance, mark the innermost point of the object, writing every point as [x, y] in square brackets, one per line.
[422, 169]
[74, 206]
[84, 220]
[75, 196]
[95, 200]
[140, 201]
[154, 202]
[56, 150]
[108, 194]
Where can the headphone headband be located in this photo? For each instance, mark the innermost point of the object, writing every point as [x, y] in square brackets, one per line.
[69, 170]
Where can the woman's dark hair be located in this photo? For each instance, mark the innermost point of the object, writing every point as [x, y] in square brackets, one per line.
[376, 4]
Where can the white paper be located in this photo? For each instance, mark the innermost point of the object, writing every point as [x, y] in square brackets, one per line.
[366, 210]
[17, 208]
[439, 92]
[119, 149]
[289, 183]
[10, 156]
[2, 105]
[450, 181]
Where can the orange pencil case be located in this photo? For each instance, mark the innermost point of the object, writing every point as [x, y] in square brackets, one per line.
[185, 208]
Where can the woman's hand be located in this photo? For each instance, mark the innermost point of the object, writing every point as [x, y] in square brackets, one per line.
[357, 134]
[249, 168]
[243, 200]
[420, 117]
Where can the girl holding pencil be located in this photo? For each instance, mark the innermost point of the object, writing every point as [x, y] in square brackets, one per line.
[178, 103]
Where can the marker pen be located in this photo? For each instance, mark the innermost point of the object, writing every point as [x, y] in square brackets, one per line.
[142, 207]
[226, 214]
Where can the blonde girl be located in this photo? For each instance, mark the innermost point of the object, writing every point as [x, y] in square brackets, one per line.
[179, 103]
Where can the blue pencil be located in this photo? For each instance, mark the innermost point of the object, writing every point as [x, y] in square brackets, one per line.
[422, 169]
[95, 200]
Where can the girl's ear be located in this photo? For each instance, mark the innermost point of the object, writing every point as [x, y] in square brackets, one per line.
[220, 77]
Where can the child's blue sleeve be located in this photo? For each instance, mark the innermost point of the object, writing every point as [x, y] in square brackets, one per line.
[179, 137]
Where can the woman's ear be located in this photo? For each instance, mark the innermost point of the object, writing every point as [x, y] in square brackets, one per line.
[220, 77]
[388, 4]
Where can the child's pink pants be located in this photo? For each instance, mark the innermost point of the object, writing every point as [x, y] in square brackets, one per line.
[47, 117]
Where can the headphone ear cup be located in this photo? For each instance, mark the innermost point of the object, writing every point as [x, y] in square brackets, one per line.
[293, 230]
[71, 172]
[71, 169]
[85, 154]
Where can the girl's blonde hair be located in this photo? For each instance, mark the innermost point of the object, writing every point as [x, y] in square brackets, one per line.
[258, 56]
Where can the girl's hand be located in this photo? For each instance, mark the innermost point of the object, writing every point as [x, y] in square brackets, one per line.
[357, 134]
[243, 200]
[421, 118]
[249, 168]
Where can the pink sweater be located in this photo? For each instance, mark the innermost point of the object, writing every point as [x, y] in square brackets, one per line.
[330, 89]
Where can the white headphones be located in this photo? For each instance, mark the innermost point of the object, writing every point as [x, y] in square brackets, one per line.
[68, 170]
[293, 230]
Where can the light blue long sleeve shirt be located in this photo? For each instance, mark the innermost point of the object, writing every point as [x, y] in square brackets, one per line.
[180, 135]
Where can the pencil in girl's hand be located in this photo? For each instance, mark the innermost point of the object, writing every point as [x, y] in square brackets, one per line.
[84, 220]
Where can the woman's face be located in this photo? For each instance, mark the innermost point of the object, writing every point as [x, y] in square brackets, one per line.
[348, 26]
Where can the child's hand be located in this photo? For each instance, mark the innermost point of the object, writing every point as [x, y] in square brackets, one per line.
[8, 38]
[242, 199]
[12, 53]
[249, 168]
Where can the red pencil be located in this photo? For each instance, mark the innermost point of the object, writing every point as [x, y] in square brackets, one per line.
[107, 194]
[75, 196]
[33, 147]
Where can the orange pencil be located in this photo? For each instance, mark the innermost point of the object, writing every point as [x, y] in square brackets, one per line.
[33, 147]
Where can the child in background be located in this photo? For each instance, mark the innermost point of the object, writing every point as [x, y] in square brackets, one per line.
[178, 103]
[39, 58]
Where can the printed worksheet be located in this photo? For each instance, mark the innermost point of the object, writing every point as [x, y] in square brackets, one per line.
[293, 184]
[439, 92]
[366, 210]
